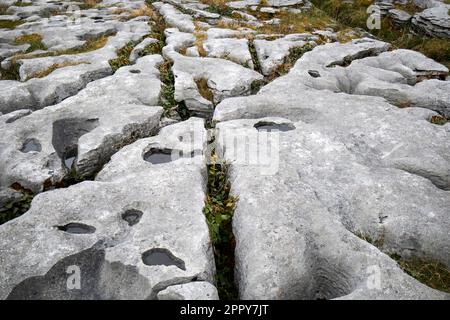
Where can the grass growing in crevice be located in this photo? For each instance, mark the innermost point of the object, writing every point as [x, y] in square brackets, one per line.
[427, 271]
[53, 67]
[123, 56]
[295, 53]
[219, 209]
[21, 3]
[219, 7]
[8, 24]
[439, 120]
[3, 9]
[355, 15]
[33, 39]
[432, 273]
[167, 96]
[88, 4]
[16, 207]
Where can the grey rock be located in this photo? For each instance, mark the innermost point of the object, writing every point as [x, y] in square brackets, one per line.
[116, 111]
[272, 54]
[174, 17]
[190, 291]
[88, 226]
[433, 21]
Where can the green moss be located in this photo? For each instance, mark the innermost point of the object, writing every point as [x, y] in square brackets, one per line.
[123, 57]
[219, 210]
[22, 4]
[7, 24]
[33, 39]
[152, 48]
[16, 208]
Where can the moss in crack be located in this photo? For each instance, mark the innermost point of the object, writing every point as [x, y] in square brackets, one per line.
[123, 57]
[252, 49]
[33, 39]
[219, 209]
[439, 120]
[295, 53]
[16, 205]
[9, 24]
[427, 271]
[167, 96]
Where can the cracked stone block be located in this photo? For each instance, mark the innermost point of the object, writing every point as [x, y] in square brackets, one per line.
[83, 228]
[83, 131]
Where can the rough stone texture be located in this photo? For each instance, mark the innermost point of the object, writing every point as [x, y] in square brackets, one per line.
[231, 49]
[174, 17]
[349, 164]
[115, 110]
[272, 54]
[190, 291]
[434, 21]
[357, 169]
[116, 253]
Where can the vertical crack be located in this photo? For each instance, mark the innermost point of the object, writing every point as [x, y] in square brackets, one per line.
[219, 210]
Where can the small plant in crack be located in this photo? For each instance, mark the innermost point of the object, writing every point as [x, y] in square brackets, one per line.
[123, 57]
[428, 271]
[16, 207]
[439, 120]
[219, 210]
[432, 273]
[167, 95]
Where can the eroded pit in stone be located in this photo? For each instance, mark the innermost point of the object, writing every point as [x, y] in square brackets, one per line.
[66, 133]
[162, 257]
[158, 156]
[31, 145]
[132, 216]
[272, 126]
[77, 228]
[314, 73]
[135, 71]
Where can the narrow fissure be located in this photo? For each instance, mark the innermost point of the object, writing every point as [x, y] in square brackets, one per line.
[219, 210]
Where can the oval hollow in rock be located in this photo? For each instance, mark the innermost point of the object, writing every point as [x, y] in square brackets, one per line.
[135, 71]
[272, 126]
[158, 156]
[31, 145]
[162, 257]
[132, 216]
[76, 228]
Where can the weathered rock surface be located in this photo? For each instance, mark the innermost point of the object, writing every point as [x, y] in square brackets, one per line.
[84, 130]
[147, 239]
[434, 21]
[344, 164]
[272, 54]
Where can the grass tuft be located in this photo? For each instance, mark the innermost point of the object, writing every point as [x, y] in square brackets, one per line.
[33, 39]
[123, 57]
[219, 209]
[432, 273]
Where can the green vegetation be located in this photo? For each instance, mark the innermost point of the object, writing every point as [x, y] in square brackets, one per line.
[152, 48]
[355, 15]
[33, 39]
[20, 3]
[3, 8]
[8, 24]
[16, 207]
[88, 4]
[219, 209]
[218, 6]
[123, 57]
[432, 273]
[439, 120]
